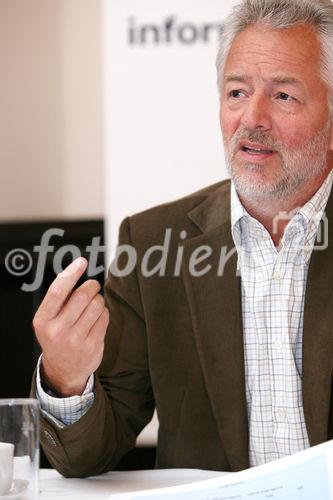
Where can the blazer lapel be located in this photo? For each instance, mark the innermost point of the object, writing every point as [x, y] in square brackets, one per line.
[215, 305]
[317, 338]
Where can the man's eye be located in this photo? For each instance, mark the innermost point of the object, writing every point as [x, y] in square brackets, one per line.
[235, 94]
[285, 97]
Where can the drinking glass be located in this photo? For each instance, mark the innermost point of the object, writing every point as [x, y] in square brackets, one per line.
[19, 425]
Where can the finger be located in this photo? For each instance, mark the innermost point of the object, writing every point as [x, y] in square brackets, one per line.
[61, 287]
[78, 302]
[90, 315]
[99, 328]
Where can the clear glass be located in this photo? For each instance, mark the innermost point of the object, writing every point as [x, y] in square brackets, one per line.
[19, 425]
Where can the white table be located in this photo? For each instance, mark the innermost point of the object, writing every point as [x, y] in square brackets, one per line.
[54, 487]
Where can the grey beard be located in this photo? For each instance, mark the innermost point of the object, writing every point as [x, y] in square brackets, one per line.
[299, 165]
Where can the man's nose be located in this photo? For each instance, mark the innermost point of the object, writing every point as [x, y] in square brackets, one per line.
[256, 114]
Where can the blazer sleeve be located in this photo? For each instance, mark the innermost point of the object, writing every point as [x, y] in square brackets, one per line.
[124, 401]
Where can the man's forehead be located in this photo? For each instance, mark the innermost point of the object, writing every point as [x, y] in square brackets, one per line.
[259, 44]
[273, 57]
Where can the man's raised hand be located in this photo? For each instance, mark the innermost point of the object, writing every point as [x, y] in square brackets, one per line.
[70, 327]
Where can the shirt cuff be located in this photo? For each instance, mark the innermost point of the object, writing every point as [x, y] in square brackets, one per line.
[64, 411]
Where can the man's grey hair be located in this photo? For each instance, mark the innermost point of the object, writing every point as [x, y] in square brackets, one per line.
[280, 14]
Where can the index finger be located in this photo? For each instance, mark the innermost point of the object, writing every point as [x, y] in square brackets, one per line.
[60, 289]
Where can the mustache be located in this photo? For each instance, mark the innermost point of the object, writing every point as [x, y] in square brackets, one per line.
[255, 136]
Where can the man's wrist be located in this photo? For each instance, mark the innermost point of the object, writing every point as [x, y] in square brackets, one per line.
[60, 389]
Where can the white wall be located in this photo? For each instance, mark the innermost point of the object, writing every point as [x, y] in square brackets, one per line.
[162, 133]
[50, 110]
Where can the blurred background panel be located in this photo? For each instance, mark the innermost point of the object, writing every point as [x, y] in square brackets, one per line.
[50, 110]
[161, 103]
[51, 171]
[50, 152]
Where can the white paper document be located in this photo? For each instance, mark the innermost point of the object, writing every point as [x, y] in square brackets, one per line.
[307, 475]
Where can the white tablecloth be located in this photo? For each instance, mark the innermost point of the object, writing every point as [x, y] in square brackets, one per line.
[54, 487]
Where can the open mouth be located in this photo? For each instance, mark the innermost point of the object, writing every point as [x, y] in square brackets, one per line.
[256, 151]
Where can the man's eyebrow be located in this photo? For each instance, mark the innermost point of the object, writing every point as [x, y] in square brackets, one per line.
[235, 78]
[286, 79]
[278, 79]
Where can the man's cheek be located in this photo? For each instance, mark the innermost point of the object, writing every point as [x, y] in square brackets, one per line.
[294, 139]
[229, 122]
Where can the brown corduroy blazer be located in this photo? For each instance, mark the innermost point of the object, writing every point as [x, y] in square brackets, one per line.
[176, 342]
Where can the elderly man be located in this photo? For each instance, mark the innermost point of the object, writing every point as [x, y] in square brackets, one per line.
[236, 358]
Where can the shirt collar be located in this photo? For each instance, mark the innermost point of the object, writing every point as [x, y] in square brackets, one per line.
[237, 211]
[314, 208]
[311, 213]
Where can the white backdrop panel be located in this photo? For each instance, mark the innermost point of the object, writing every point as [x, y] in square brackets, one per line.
[162, 136]
[161, 104]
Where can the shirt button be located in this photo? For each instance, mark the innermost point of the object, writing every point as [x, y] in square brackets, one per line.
[278, 346]
[278, 274]
[281, 415]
